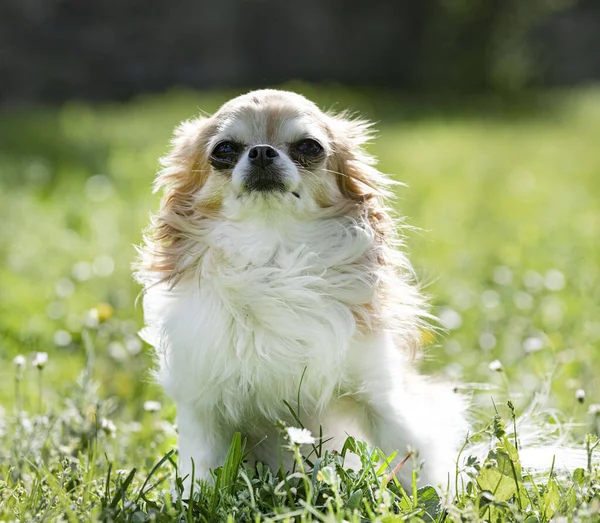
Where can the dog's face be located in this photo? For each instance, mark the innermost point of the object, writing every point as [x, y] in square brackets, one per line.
[269, 152]
[271, 148]
[267, 155]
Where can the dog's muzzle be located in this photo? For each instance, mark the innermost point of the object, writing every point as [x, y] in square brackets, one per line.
[264, 175]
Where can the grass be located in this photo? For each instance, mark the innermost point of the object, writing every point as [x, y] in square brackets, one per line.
[506, 199]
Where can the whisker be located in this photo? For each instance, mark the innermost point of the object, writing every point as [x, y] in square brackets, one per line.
[199, 170]
[326, 170]
[336, 172]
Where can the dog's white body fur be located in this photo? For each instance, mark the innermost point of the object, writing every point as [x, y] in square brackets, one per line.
[245, 295]
[268, 301]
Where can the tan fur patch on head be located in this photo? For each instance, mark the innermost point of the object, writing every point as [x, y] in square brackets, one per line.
[263, 116]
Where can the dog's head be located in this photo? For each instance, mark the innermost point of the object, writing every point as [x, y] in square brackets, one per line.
[267, 154]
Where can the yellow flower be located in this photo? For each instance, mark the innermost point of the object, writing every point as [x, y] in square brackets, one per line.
[104, 311]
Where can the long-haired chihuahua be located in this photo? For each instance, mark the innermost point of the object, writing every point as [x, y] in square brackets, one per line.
[273, 270]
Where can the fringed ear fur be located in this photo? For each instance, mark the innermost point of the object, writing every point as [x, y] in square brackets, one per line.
[184, 171]
[180, 169]
[358, 178]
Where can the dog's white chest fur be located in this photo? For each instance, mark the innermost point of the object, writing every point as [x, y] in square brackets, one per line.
[265, 303]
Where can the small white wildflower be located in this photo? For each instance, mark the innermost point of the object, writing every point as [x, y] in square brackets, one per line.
[62, 338]
[523, 300]
[40, 360]
[19, 361]
[116, 350]
[533, 344]
[168, 428]
[92, 319]
[534, 281]
[108, 426]
[152, 406]
[300, 436]
[82, 270]
[496, 366]
[64, 287]
[580, 395]
[134, 345]
[554, 280]
[103, 265]
[487, 341]
[490, 299]
[503, 275]
[594, 409]
[449, 318]
[135, 426]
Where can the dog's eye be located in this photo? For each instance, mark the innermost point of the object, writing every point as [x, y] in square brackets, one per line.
[224, 155]
[308, 147]
[306, 152]
[224, 149]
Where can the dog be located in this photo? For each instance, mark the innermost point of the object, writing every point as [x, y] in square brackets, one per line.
[274, 272]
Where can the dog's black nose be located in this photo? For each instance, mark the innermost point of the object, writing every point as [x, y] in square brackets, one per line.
[262, 155]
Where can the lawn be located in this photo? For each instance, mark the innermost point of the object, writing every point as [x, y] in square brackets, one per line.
[503, 203]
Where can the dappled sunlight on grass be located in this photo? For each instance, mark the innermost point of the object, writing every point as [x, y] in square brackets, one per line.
[504, 201]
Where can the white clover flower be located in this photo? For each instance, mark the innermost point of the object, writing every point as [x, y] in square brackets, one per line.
[503, 275]
[135, 426]
[40, 360]
[554, 280]
[300, 436]
[490, 299]
[450, 319]
[108, 426]
[19, 361]
[580, 395]
[168, 428]
[62, 338]
[496, 366]
[92, 319]
[594, 409]
[117, 351]
[487, 341]
[152, 406]
[133, 345]
[82, 270]
[103, 265]
[533, 344]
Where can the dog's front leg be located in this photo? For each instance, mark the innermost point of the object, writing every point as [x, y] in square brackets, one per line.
[416, 435]
[406, 412]
[203, 444]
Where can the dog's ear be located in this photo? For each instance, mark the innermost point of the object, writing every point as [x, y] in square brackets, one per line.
[185, 167]
[358, 179]
[185, 170]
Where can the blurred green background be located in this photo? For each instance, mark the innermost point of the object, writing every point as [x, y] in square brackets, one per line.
[504, 199]
[486, 110]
